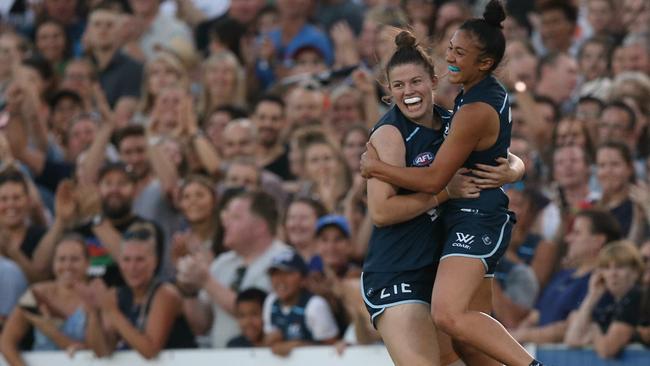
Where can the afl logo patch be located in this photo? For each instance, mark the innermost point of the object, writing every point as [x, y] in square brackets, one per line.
[424, 159]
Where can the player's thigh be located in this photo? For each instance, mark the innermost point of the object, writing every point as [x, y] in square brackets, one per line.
[409, 334]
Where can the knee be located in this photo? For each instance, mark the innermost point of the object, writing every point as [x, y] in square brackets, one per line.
[446, 318]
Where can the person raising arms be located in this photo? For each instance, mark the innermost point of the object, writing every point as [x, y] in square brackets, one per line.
[478, 229]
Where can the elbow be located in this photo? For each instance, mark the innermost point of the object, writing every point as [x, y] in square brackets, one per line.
[150, 354]
[379, 218]
[607, 351]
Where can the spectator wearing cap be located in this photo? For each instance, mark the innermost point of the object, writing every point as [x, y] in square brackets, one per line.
[334, 248]
[119, 75]
[101, 214]
[294, 317]
[333, 241]
[250, 222]
[293, 33]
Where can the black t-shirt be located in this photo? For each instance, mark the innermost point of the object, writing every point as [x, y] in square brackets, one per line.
[32, 238]
[281, 167]
[627, 310]
[101, 263]
[239, 342]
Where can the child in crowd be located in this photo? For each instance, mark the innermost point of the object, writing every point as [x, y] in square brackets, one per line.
[293, 317]
[248, 310]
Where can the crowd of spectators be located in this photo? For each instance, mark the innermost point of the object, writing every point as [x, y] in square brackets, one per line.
[185, 173]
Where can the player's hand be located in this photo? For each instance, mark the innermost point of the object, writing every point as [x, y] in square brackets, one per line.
[493, 176]
[463, 186]
[368, 160]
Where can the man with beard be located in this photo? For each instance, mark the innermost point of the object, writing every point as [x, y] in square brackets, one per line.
[269, 118]
[101, 214]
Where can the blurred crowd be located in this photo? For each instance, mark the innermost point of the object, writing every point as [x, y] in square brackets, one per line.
[185, 173]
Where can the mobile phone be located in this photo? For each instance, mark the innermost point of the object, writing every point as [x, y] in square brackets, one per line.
[31, 309]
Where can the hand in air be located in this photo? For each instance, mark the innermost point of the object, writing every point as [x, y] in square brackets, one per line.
[368, 160]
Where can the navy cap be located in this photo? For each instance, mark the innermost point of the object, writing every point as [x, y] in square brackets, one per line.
[333, 220]
[289, 261]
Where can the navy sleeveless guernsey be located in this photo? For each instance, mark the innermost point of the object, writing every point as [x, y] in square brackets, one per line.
[491, 92]
[415, 243]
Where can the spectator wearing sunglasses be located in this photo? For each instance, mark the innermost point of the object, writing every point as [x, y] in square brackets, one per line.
[145, 315]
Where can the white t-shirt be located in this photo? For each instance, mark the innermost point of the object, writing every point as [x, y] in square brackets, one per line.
[224, 270]
[211, 8]
[318, 317]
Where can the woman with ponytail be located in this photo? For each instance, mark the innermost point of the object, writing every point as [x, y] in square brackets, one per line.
[477, 229]
[407, 237]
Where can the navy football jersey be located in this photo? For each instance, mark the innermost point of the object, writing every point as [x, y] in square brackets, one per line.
[491, 92]
[415, 243]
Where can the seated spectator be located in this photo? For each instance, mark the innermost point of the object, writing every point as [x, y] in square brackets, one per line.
[100, 214]
[19, 236]
[610, 312]
[146, 315]
[53, 308]
[293, 317]
[13, 285]
[327, 176]
[248, 311]
[250, 222]
[334, 248]
[526, 246]
[643, 330]
[300, 228]
[197, 201]
[592, 230]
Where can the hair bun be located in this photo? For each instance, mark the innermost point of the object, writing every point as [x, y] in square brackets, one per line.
[494, 13]
[405, 39]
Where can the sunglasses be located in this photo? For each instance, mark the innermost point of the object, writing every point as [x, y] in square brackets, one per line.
[139, 234]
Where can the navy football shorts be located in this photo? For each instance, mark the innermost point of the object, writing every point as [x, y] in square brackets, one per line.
[476, 234]
[381, 290]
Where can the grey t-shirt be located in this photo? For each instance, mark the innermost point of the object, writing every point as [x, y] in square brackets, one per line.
[224, 269]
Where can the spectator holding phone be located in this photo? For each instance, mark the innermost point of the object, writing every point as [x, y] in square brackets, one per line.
[610, 312]
[53, 308]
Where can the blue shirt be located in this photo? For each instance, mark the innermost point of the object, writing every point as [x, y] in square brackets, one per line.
[563, 294]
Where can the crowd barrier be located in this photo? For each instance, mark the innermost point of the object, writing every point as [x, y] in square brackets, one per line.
[556, 355]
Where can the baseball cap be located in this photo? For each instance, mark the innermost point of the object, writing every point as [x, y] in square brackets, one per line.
[289, 261]
[333, 220]
[310, 40]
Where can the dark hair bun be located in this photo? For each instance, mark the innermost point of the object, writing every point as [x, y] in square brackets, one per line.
[405, 39]
[494, 13]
